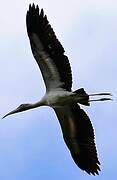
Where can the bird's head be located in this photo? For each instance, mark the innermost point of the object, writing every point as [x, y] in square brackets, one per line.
[22, 107]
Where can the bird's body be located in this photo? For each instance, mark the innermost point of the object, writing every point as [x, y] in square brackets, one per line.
[58, 98]
[76, 126]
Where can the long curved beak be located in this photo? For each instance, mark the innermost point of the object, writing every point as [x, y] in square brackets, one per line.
[12, 112]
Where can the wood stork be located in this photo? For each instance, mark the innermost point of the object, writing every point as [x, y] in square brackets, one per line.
[76, 126]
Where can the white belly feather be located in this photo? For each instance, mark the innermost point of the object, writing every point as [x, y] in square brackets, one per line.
[59, 98]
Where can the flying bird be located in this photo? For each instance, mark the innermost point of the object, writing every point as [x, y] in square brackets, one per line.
[77, 129]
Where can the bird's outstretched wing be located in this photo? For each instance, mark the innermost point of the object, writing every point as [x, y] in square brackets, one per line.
[47, 50]
[78, 134]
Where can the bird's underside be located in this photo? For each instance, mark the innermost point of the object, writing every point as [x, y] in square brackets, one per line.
[76, 126]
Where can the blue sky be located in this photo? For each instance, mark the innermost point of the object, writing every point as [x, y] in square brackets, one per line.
[31, 143]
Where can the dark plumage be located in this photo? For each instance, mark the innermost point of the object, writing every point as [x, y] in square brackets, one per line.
[37, 23]
[78, 134]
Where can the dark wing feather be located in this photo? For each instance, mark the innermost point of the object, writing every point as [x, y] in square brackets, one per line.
[37, 23]
[78, 134]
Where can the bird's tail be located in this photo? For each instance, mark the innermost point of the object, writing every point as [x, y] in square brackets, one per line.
[83, 97]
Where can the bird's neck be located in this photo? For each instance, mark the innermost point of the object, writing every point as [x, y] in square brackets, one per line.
[42, 102]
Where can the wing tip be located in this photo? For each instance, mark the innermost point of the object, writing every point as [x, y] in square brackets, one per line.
[90, 167]
[33, 6]
[32, 16]
[92, 171]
